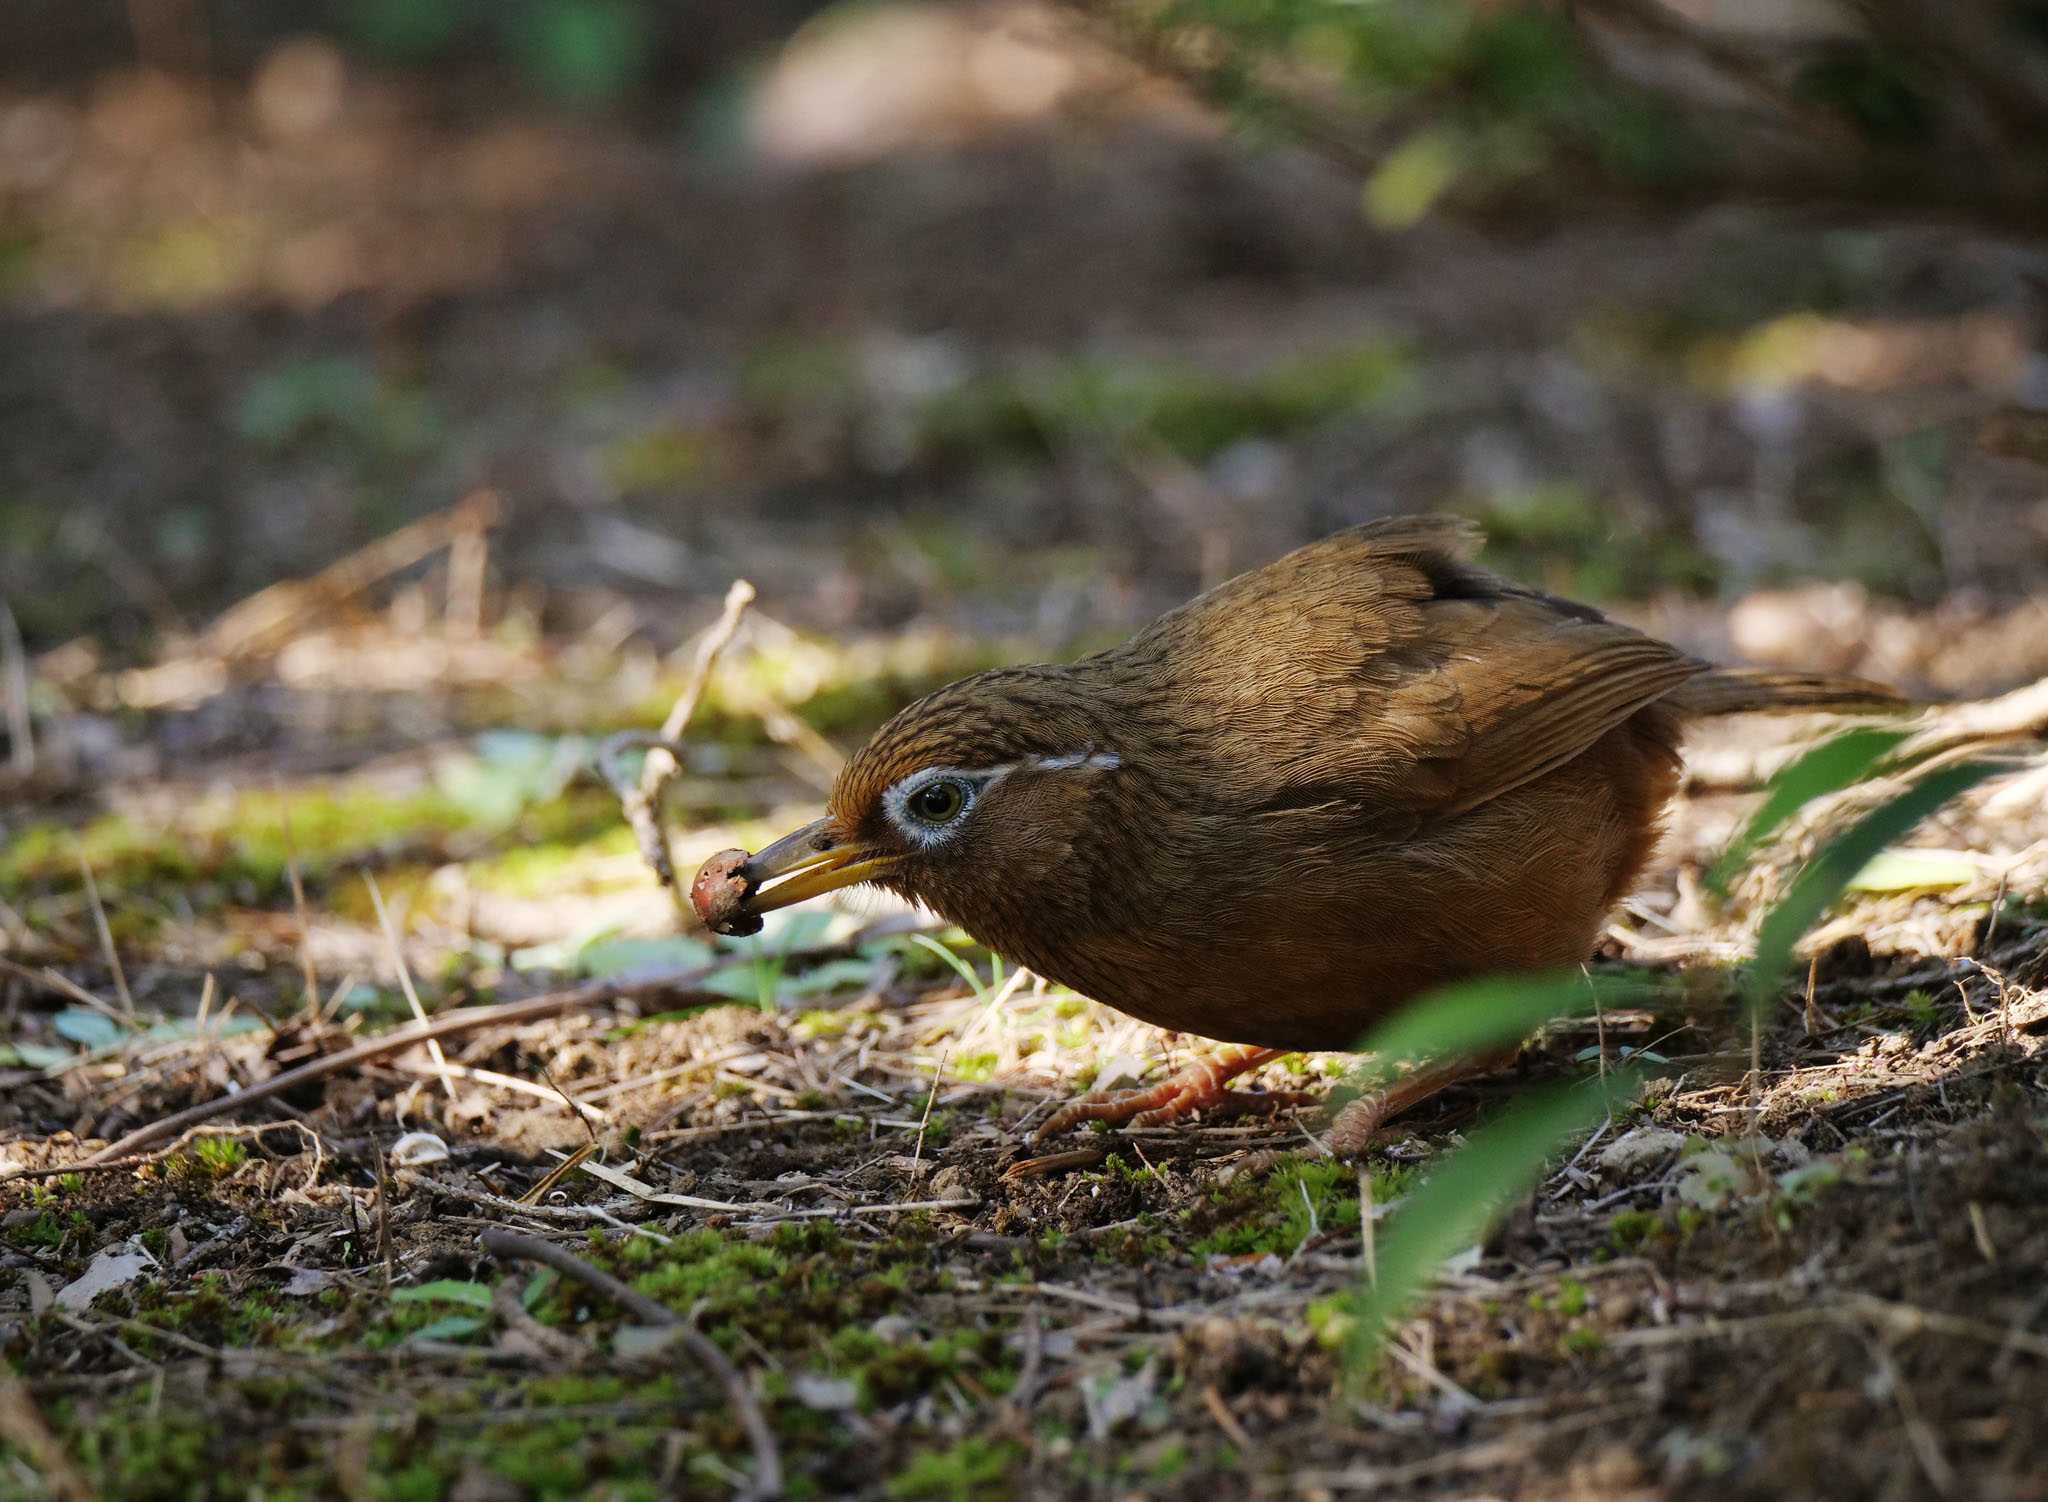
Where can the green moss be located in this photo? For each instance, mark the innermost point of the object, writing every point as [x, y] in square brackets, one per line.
[547, 868]
[1195, 413]
[665, 458]
[239, 843]
[1583, 1341]
[1629, 1229]
[219, 1157]
[1569, 539]
[969, 1471]
[1297, 1199]
[150, 1454]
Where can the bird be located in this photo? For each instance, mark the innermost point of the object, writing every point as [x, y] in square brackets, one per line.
[1280, 812]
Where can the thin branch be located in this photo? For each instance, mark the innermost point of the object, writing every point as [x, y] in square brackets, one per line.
[106, 933]
[412, 996]
[21, 737]
[447, 1025]
[767, 1482]
[641, 801]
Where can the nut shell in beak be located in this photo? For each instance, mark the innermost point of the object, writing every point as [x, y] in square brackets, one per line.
[720, 893]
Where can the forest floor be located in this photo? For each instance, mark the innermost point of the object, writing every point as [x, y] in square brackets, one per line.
[1808, 1263]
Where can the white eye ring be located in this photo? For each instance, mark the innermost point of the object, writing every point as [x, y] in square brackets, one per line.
[973, 782]
[899, 802]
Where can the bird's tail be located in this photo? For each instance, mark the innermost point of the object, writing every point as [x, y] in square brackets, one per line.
[1745, 690]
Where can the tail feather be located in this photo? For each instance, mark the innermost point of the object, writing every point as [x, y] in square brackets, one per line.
[1721, 691]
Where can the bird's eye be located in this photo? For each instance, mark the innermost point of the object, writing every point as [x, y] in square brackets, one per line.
[939, 801]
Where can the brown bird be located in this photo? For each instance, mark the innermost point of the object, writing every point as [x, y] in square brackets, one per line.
[1282, 810]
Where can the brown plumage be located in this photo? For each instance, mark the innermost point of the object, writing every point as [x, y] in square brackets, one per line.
[1364, 770]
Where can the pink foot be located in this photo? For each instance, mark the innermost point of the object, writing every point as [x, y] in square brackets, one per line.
[1198, 1086]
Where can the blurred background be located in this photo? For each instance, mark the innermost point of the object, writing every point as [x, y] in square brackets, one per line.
[1014, 320]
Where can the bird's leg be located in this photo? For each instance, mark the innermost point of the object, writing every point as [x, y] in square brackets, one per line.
[1353, 1130]
[1200, 1084]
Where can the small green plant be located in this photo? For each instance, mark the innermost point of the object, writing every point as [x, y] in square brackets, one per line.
[1504, 1157]
[220, 1156]
[969, 1471]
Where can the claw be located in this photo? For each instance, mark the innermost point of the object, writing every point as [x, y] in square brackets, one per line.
[1198, 1086]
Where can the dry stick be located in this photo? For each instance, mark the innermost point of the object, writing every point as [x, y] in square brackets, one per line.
[448, 1025]
[2016, 716]
[1368, 1229]
[106, 932]
[22, 1426]
[21, 735]
[938, 1073]
[642, 801]
[767, 1481]
[60, 983]
[383, 1210]
[249, 628]
[291, 868]
[412, 997]
[469, 560]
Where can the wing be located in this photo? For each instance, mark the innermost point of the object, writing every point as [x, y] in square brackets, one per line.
[1381, 667]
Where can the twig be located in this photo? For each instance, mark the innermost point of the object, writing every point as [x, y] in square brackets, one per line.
[572, 1214]
[55, 980]
[21, 736]
[291, 868]
[896, 1207]
[383, 1210]
[1368, 1231]
[491, 1077]
[469, 557]
[641, 801]
[22, 1426]
[448, 1025]
[583, 1113]
[767, 1481]
[938, 1074]
[1026, 1388]
[511, 1311]
[259, 622]
[1226, 1420]
[412, 997]
[1920, 1437]
[106, 932]
[737, 598]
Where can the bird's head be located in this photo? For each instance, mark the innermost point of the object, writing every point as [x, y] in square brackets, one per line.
[972, 801]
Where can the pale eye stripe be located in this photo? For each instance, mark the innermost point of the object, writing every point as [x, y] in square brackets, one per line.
[1102, 761]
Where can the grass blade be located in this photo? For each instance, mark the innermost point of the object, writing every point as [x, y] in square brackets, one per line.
[1835, 763]
[1454, 1206]
[1475, 1016]
[1829, 873]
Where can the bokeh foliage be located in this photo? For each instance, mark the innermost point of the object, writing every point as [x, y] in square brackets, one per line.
[1536, 106]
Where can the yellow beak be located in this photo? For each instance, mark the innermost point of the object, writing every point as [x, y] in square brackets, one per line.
[806, 864]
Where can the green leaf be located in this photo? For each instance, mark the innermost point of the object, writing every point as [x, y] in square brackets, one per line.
[41, 1055]
[83, 1025]
[449, 1327]
[1835, 763]
[1409, 180]
[1829, 873]
[634, 957]
[1460, 1198]
[832, 975]
[444, 1291]
[958, 966]
[1917, 871]
[1474, 1016]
